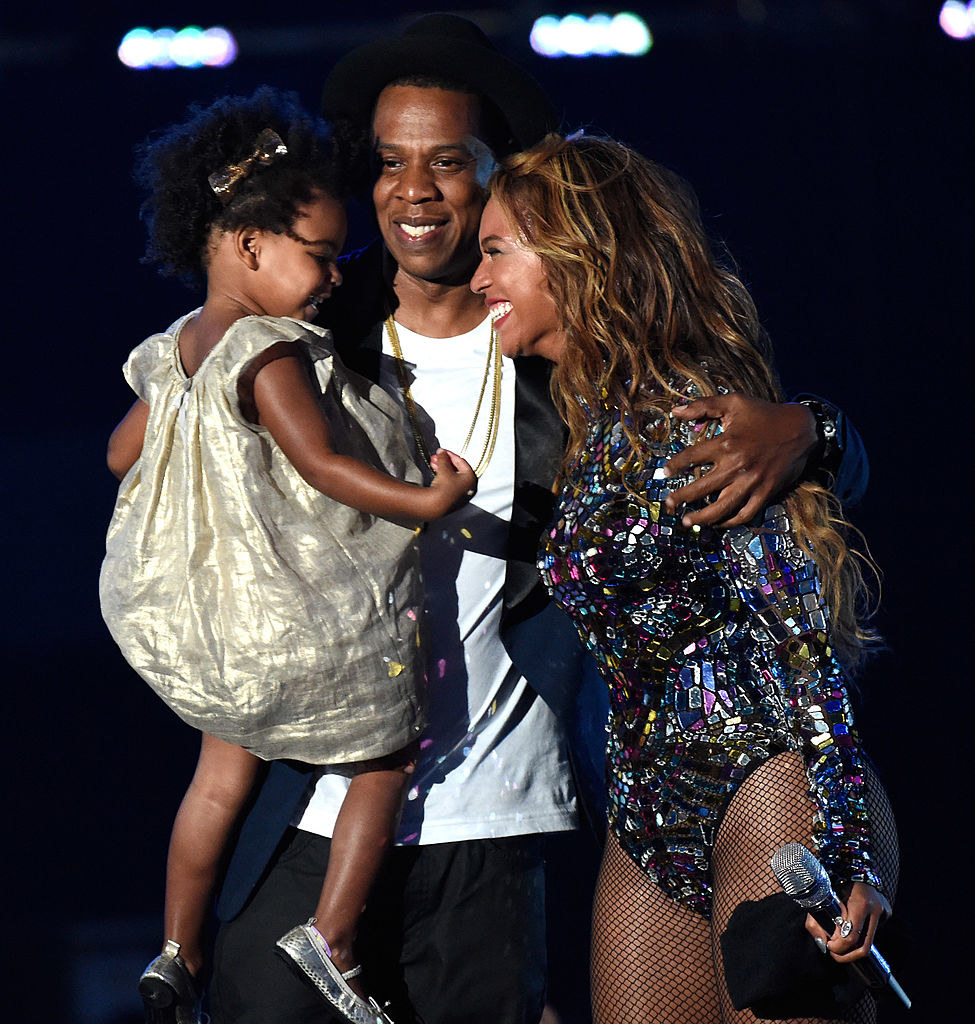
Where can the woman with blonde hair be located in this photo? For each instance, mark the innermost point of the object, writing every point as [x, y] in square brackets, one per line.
[726, 652]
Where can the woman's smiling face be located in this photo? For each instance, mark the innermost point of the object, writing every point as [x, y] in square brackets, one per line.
[513, 282]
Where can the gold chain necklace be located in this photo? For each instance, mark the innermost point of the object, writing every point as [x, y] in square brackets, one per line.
[493, 359]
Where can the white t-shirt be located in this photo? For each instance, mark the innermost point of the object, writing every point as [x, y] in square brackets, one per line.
[493, 761]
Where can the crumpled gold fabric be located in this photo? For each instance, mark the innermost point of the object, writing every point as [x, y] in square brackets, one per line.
[260, 610]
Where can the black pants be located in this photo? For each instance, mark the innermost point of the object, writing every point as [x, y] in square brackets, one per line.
[454, 932]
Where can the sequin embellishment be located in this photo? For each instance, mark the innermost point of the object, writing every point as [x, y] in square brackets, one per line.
[715, 648]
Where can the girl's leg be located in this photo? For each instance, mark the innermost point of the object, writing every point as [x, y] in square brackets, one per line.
[221, 784]
[651, 956]
[364, 831]
[773, 807]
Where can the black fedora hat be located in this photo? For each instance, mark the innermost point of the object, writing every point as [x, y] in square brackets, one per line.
[448, 47]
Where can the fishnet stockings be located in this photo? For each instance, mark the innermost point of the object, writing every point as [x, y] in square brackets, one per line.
[651, 956]
[654, 961]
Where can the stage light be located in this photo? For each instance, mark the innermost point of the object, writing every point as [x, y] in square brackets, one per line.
[219, 47]
[163, 58]
[190, 47]
[958, 19]
[601, 43]
[544, 35]
[599, 35]
[630, 35]
[137, 48]
[574, 35]
[184, 47]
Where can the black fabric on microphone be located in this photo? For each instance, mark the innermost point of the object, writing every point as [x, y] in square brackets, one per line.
[772, 966]
[805, 880]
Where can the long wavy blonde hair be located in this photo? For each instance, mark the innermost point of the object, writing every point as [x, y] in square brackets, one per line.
[647, 311]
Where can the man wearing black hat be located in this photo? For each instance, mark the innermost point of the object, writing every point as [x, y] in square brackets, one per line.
[455, 928]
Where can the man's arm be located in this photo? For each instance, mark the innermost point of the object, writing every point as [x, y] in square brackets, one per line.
[763, 448]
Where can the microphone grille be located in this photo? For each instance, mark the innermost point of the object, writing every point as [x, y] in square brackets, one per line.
[801, 875]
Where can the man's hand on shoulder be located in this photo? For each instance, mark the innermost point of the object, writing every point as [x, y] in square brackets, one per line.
[761, 450]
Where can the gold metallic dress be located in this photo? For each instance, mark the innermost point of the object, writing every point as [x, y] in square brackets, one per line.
[260, 610]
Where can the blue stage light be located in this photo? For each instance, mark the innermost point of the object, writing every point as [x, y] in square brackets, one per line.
[958, 19]
[599, 35]
[190, 47]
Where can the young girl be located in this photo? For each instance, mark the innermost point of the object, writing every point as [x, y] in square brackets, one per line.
[261, 572]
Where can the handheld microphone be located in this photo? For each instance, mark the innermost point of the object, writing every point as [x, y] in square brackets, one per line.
[805, 880]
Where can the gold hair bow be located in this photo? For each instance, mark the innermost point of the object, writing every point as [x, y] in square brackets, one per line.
[268, 148]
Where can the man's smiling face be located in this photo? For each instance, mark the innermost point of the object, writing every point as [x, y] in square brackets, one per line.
[429, 193]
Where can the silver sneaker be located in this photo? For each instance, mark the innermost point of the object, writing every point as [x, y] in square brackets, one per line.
[307, 951]
[169, 992]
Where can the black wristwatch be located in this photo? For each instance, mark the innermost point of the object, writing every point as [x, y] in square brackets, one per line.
[829, 433]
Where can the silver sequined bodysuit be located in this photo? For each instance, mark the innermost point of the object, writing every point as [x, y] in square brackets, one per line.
[715, 648]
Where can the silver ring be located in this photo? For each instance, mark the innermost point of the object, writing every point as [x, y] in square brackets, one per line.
[845, 928]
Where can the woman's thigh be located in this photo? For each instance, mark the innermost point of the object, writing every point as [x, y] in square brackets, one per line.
[773, 807]
[651, 956]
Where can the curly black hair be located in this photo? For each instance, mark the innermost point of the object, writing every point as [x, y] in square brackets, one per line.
[173, 165]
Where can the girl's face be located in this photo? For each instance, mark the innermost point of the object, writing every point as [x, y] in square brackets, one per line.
[293, 278]
[515, 289]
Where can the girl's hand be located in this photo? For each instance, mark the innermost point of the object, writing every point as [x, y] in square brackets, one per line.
[454, 482]
[865, 908]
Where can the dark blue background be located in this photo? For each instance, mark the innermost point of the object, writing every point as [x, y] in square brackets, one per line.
[829, 144]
